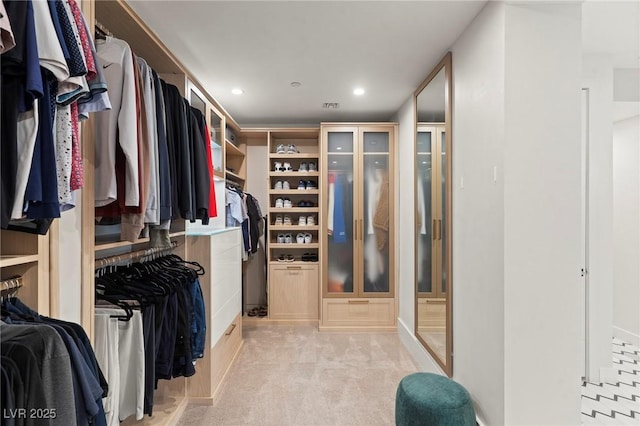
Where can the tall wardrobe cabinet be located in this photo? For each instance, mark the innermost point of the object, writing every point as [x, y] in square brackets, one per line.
[358, 231]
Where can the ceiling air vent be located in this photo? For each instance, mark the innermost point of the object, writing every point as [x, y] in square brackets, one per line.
[330, 105]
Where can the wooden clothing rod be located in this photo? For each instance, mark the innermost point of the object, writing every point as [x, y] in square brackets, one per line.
[102, 28]
[10, 284]
[114, 260]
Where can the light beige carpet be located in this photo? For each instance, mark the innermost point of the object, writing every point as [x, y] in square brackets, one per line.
[299, 376]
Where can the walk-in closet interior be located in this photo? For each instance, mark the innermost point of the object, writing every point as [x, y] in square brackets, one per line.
[361, 183]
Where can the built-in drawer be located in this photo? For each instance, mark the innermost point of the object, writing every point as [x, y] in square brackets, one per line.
[224, 351]
[374, 313]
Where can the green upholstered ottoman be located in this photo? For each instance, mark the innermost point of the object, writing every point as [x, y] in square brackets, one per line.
[431, 399]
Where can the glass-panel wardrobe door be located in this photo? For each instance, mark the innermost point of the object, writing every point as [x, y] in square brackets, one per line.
[377, 207]
[426, 271]
[443, 205]
[341, 247]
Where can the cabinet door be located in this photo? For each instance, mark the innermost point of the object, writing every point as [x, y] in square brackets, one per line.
[293, 292]
[376, 210]
[340, 248]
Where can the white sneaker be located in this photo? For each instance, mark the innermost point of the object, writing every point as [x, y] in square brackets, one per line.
[278, 221]
[307, 238]
[303, 167]
[280, 239]
[286, 167]
[300, 238]
[285, 185]
[287, 220]
[291, 149]
[288, 239]
[277, 166]
[311, 220]
[287, 203]
[280, 149]
[302, 221]
[278, 185]
[279, 203]
[312, 167]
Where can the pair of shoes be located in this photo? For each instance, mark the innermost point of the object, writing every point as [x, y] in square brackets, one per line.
[307, 168]
[282, 167]
[283, 203]
[259, 311]
[286, 258]
[280, 149]
[286, 220]
[309, 184]
[284, 239]
[310, 257]
[303, 238]
[306, 221]
[279, 185]
[305, 203]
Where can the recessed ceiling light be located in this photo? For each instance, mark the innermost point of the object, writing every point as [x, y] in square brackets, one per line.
[358, 91]
[338, 148]
[237, 91]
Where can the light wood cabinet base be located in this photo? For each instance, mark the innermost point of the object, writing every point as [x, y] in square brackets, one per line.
[216, 364]
[293, 292]
[358, 314]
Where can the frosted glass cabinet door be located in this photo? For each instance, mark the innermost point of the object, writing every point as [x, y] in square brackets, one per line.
[340, 212]
[424, 203]
[376, 211]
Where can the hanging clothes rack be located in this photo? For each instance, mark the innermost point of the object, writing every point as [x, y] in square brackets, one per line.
[153, 252]
[10, 285]
[102, 30]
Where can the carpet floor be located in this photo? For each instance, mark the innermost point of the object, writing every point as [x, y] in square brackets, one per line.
[299, 376]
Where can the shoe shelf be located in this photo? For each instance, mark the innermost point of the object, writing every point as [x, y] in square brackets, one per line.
[293, 174]
[294, 282]
[293, 210]
[293, 246]
[305, 155]
[295, 191]
[278, 228]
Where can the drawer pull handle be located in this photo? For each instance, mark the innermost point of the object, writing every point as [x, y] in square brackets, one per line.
[230, 330]
[358, 302]
[294, 267]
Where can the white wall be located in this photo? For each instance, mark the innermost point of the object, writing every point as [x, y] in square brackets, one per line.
[516, 207]
[406, 220]
[478, 252]
[542, 207]
[597, 77]
[626, 229]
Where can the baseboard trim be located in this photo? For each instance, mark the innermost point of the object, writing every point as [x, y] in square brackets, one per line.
[421, 357]
[626, 336]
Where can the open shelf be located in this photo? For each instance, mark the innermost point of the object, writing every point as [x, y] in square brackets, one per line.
[294, 246]
[278, 228]
[294, 263]
[294, 210]
[232, 149]
[294, 191]
[17, 259]
[287, 174]
[234, 176]
[312, 155]
[117, 244]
